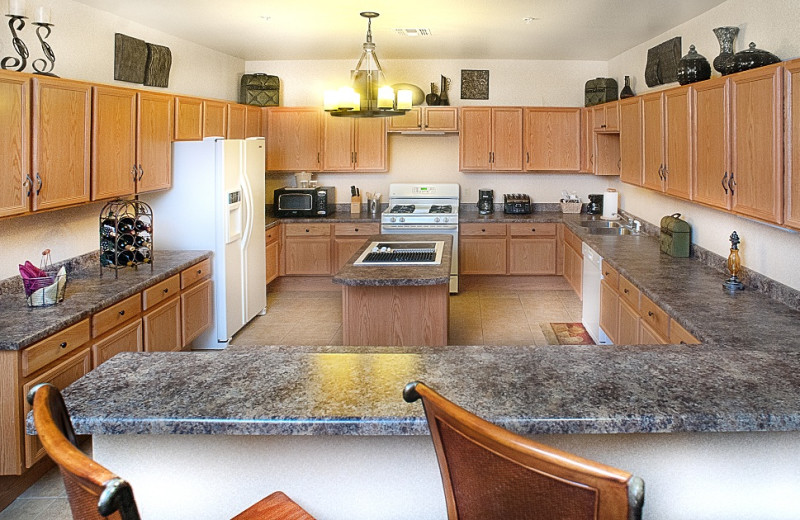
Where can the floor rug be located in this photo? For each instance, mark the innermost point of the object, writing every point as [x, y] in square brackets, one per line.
[566, 334]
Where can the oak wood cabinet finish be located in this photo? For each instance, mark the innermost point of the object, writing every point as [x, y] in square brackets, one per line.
[61, 143]
[648, 335]
[710, 143]
[348, 239]
[254, 121]
[273, 252]
[154, 130]
[653, 141]
[532, 249]
[351, 144]
[294, 138]
[127, 338]
[215, 118]
[195, 273]
[606, 117]
[306, 249]
[628, 324]
[54, 347]
[162, 326]
[113, 142]
[630, 141]
[116, 315]
[426, 119]
[188, 119]
[491, 139]
[677, 142]
[237, 121]
[679, 335]
[587, 140]
[16, 184]
[482, 249]
[552, 139]
[609, 311]
[573, 261]
[196, 311]
[792, 114]
[160, 292]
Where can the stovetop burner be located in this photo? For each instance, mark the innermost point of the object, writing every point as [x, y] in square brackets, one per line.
[404, 208]
[443, 208]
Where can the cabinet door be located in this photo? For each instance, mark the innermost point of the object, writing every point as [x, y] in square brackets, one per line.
[628, 325]
[273, 260]
[410, 121]
[481, 255]
[293, 143]
[125, 339]
[757, 143]
[653, 141]
[573, 270]
[61, 376]
[337, 144]
[710, 143]
[609, 311]
[196, 311]
[553, 139]
[162, 327]
[475, 139]
[792, 205]
[237, 126]
[677, 142]
[188, 119]
[507, 139]
[154, 141]
[15, 186]
[369, 140]
[307, 255]
[343, 249]
[630, 141]
[649, 336]
[440, 119]
[587, 140]
[252, 122]
[612, 116]
[62, 120]
[113, 142]
[532, 256]
[215, 119]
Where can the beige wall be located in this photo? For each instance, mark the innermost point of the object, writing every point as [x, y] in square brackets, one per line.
[772, 25]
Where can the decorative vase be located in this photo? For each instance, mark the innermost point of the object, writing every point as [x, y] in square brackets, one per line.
[626, 91]
[752, 58]
[693, 67]
[432, 99]
[443, 99]
[726, 36]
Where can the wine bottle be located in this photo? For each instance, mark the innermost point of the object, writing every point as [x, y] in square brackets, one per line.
[125, 242]
[141, 225]
[142, 241]
[108, 258]
[125, 258]
[108, 227]
[107, 244]
[142, 256]
[125, 225]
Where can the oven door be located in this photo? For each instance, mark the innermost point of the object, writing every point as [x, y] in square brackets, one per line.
[431, 229]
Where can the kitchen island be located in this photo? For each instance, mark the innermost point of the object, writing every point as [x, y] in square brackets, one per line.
[396, 304]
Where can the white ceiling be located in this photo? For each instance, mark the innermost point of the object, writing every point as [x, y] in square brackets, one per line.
[461, 29]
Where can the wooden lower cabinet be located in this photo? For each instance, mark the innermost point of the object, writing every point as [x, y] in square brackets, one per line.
[679, 335]
[482, 249]
[127, 338]
[532, 256]
[628, 324]
[307, 249]
[273, 252]
[162, 327]
[61, 375]
[196, 311]
[573, 262]
[609, 311]
[348, 239]
[649, 336]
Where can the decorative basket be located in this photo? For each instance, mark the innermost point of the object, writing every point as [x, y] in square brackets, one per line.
[45, 290]
[571, 207]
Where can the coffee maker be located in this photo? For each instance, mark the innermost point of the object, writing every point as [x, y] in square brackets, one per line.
[595, 206]
[485, 202]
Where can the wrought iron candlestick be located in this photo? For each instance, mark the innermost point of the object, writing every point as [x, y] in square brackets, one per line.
[16, 23]
[734, 266]
[47, 66]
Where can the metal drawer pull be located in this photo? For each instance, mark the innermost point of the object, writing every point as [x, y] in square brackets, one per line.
[625, 291]
[39, 183]
[533, 229]
[122, 312]
[356, 230]
[166, 290]
[650, 313]
[64, 345]
[199, 271]
[724, 180]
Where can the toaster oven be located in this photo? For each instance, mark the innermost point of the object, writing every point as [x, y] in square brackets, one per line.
[319, 201]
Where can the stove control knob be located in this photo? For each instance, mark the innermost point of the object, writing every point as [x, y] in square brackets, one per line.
[402, 219]
[393, 219]
[436, 219]
[445, 219]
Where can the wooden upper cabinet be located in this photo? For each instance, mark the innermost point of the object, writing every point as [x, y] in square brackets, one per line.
[113, 142]
[350, 144]
[653, 141]
[410, 121]
[756, 99]
[792, 111]
[294, 138]
[154, 141]
[370, 145]
[630, 141]
[215, 119]
[491, 139]
[677, 142]
[252, 122]
[237, 121]
[587, 140]
[61, 129]
[710, 143]
[188, 119]
[606, 117]
[337, 143]
[553, 139]
[425, 119]
[16, 184]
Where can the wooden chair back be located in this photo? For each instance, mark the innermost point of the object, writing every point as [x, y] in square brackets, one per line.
[94, 492]
[489, 472]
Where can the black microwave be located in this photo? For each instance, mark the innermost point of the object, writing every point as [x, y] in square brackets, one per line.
[319, 201]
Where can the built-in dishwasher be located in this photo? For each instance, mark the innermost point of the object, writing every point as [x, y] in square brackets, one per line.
[592, 276]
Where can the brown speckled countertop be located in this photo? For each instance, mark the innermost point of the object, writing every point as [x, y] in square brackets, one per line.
[87, 293]
[386, 275]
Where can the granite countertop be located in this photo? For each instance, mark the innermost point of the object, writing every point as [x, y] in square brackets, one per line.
[341, 215]
[387, 275]
[87, 293]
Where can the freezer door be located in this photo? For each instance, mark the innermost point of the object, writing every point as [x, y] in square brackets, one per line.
[254, 268]
[229, 167]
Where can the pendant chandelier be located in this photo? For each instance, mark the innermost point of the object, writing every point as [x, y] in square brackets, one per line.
[369, 96]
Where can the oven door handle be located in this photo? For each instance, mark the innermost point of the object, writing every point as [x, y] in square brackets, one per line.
[410, 228]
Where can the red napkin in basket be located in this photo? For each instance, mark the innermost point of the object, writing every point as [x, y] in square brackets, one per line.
[33, 278]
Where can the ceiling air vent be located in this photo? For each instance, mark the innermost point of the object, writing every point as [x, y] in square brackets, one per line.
[413, 32]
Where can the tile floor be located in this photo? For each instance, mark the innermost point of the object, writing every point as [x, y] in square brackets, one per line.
[307, 311]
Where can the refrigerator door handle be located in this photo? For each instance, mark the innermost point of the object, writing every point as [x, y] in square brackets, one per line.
[247, 203]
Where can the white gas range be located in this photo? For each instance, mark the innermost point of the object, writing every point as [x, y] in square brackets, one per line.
[425, 209]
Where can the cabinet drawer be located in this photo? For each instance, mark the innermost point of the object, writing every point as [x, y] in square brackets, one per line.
[532, 229]
[117, 314]
[649, 335]
[654, 316]
[160, 292]
[629, 292]
[356, 229]
[297, 230]
[273, 234]
[572, 240]
[58, 345]
[197, 272]
[677, 334]
[610, 276]
[483, 229]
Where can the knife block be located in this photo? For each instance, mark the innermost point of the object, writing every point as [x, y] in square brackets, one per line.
[355, 205]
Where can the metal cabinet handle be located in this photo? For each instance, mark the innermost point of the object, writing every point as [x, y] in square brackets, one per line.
[661, 172]
[731, 183]
[199, 271]
[39, 183]
[166, 290]
[141, 172]
[356, 230]
[64, 345]
[29, 183]
[307, 231]
[122, 312]
[533, 229]
[134, 173]
[527, 157]
[625, 291]
[650, 313]
[724, 180]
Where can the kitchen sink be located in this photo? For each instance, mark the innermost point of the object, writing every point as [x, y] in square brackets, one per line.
[611, 231]
[600, 224]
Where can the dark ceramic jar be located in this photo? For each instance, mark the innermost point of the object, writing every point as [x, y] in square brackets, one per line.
[752, 58]
[693, 67]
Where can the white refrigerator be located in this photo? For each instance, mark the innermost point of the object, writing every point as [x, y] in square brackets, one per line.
[217, 203]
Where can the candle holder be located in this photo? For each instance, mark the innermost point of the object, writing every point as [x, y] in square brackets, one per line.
[16, 23]
[734, 266]
[40, 65]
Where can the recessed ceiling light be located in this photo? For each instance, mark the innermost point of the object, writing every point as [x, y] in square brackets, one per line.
[529, 19]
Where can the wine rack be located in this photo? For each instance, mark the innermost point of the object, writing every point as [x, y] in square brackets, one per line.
[126, 235]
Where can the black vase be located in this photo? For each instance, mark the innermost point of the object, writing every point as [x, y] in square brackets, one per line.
[626, 91]
[724, 62]
[693, 67]
[752, 58]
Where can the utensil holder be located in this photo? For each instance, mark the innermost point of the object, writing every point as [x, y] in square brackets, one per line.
[355, 205]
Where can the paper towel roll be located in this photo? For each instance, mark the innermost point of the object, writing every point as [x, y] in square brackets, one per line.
[610, 204]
